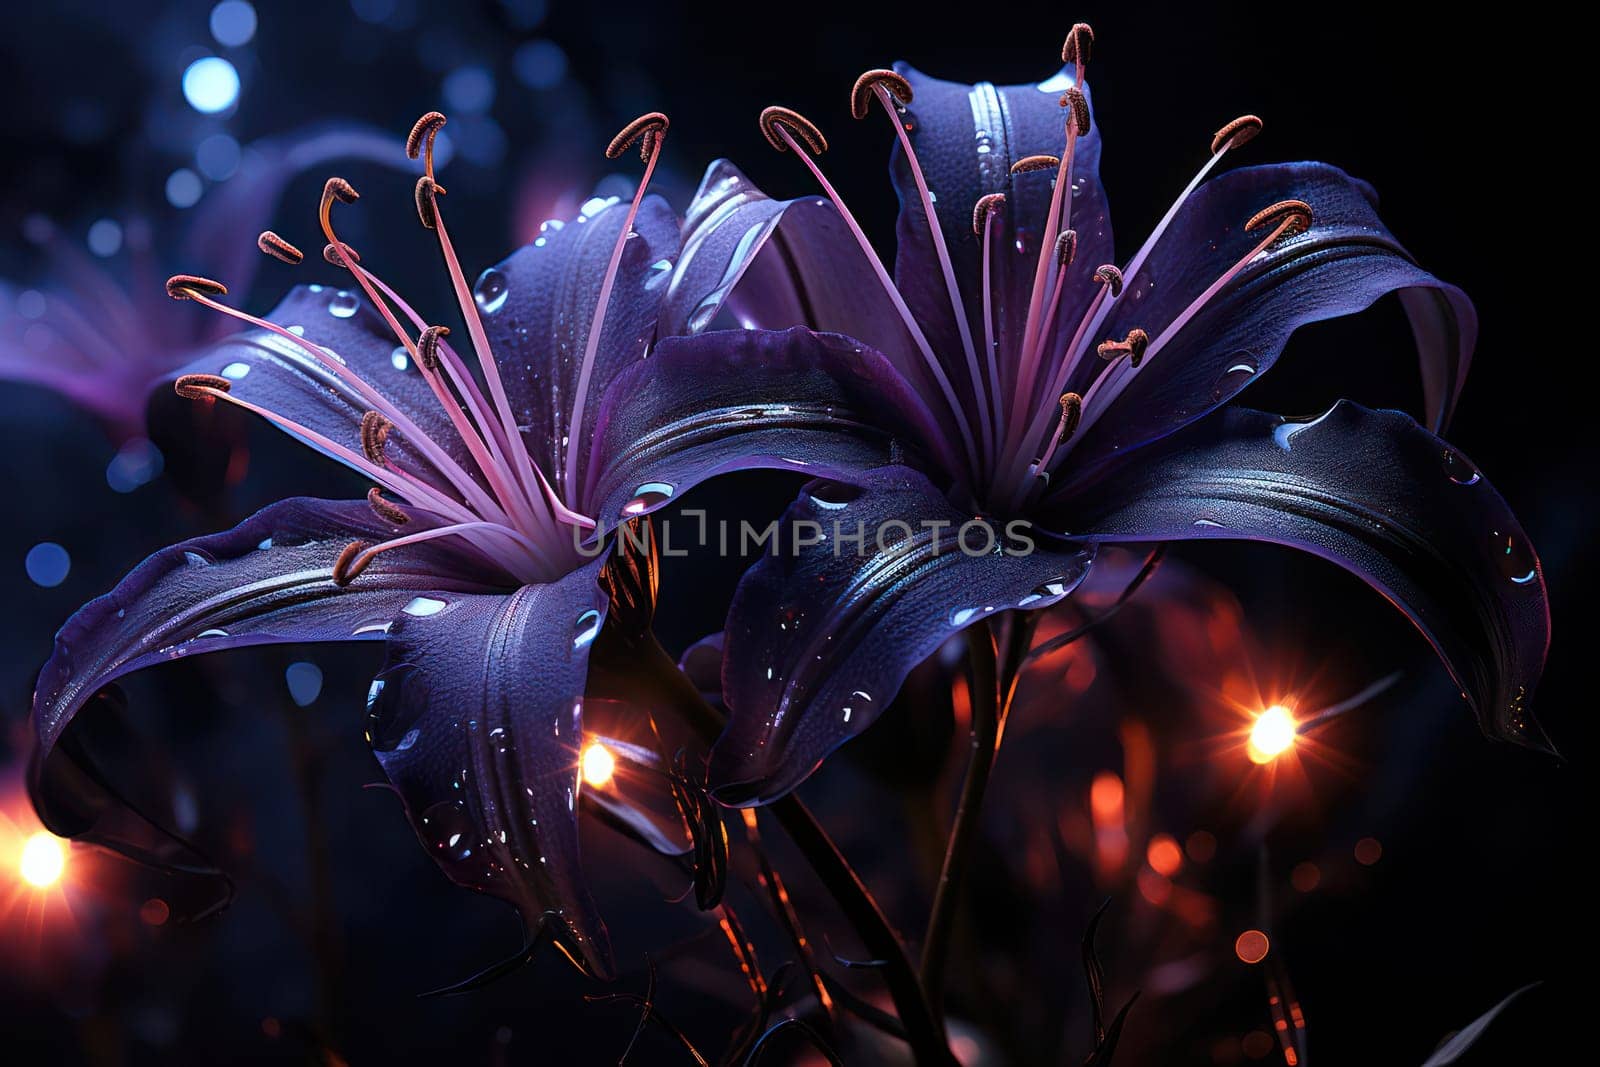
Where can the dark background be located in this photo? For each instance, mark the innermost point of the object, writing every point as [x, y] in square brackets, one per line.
[1482, 886]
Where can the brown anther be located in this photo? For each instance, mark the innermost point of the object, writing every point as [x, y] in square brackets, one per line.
[340, 190]
[1293, 215]
[1066, 247]
[986, 206]
[374, 435]
[1236, 133]
[646, 129]
[427, 210]
[1074, 99]
[332, 255]
[387, 510]
[185, 286]
[1071, 413]
[428, 347]
[1108, 275]
[1109, 349]
[200, 386]
[774, 119]
[1078, 45]
[423, 133]
[346, 568]
[1027, 163]
[278, 248]
[1137, 341]
[866, 87]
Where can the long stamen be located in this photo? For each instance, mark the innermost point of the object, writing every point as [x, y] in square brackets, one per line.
[651, 131]
[358, 555]
[890, 87]
[1066, 250]
[510, 498]
[201, 291]
[419, 142]
[1236, 133]
[1287, 218]
[203, 386]
[1071, 414]
[781, 127]
[1110, 285]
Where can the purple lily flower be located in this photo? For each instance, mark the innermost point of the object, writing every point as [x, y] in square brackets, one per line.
[1089, 401]
[478, 557]
[100, 336]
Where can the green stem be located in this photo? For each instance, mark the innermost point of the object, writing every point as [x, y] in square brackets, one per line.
[983, 687]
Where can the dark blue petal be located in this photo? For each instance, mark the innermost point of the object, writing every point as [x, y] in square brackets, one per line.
[1378, 495]
[819, 639]
[966, 138]
[740, 399]
[477, 720]
[776, 263]
[1346, 261]
[266, 581]
[269, 371]
[538, 305]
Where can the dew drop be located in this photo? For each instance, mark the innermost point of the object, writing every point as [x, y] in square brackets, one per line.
[1459, 469]
[423, 606]
[833, 496]
[1515, 557]
[587, 628]
[447, 828]
[490, 291]
[304, 681]
[962, 616]
[400, 359]
[647, 496]
[343, 304]
[236, 371]
[660, 274]
[1238, 374]
[1209, 522]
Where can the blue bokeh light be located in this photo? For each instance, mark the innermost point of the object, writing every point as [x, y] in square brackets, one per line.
[47, 564]
[233, 23]
[184, 188]
[540, 64]
[469, 89]
[211, 85]
[105, 238]
[304, 681]
[217, 157]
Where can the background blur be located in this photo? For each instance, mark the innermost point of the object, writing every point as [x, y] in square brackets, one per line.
[123, 121]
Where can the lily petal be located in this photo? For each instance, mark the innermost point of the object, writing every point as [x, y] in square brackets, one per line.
[270, 371]
[539, 303]
[477, 720]
[1346, 261]
[966, 138]
[1375, 493]
[266, 581]
[773, 264]
[820, 638]
[731, 400]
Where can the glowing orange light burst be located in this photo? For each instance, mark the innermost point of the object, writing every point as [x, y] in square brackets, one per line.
[1273, 733]
[598, 764]
[43, 860]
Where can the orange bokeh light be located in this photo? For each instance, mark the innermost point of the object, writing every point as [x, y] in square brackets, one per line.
[1164, 855]
[598, 765]
[1251, 946]
[1106, 798]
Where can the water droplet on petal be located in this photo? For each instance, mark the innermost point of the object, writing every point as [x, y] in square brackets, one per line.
[400, 359]
[343, 304]
[833, 496]
[660, 274]
[647, 496]
[491, 291]
[448, 831]
[304, 681]
[588, 626]
[1515, 557]
[423, 606]
[236, 371]
[1238, 374]
[962, 616]
[1459, 469]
